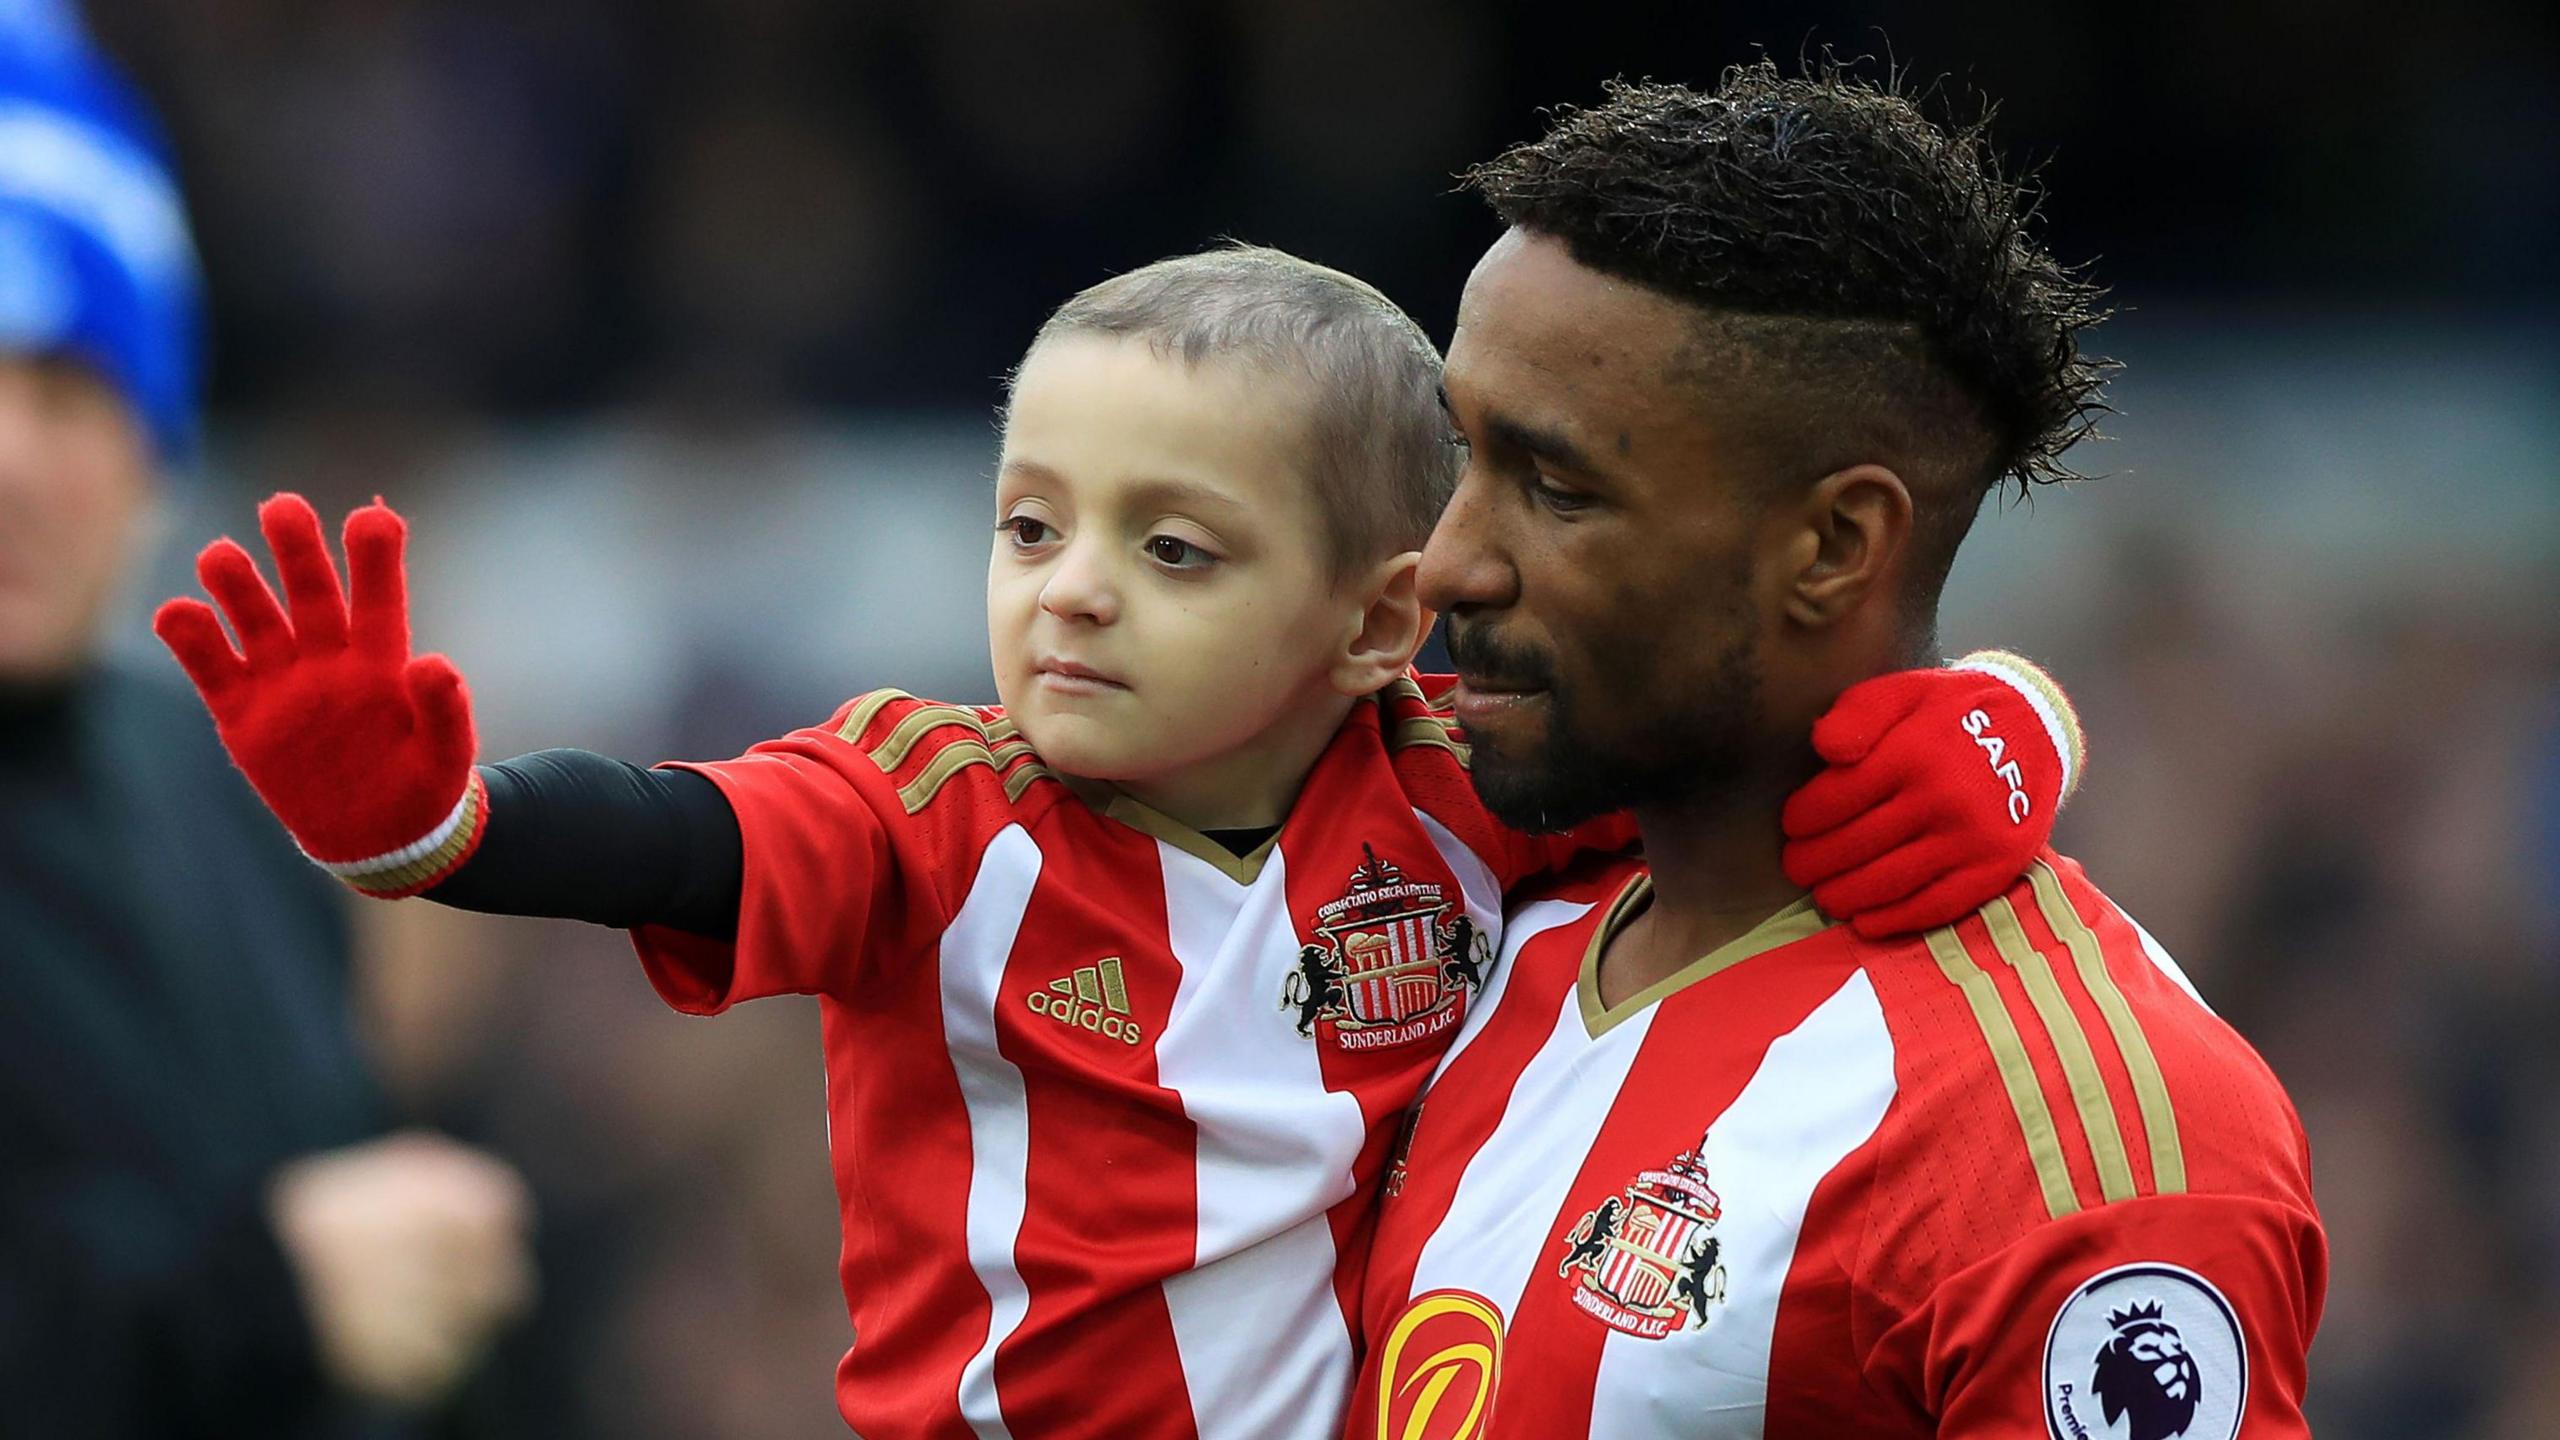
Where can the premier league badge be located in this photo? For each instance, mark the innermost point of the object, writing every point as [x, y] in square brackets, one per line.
[2146, 1352]
[1646, 1261]
[1394, 965]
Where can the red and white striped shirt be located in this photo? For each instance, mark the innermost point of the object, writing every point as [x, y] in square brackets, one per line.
[1108, 1105]
[2010, 1179]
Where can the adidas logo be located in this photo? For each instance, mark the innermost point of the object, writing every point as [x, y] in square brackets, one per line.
[1094, 998]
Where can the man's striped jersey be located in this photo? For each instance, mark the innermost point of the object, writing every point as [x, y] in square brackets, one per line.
[1108, 1104]
[2008, 1179]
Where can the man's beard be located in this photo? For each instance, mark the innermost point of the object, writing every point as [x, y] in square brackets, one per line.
[1674, 745]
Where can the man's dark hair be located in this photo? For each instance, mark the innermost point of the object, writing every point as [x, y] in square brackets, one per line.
[1868, 284]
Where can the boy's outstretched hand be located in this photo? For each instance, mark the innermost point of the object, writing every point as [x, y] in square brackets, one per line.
[363, 751]
[1942, 785]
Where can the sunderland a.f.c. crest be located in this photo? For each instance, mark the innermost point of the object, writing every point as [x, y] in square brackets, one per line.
[1392, 965]
[1646, 1260]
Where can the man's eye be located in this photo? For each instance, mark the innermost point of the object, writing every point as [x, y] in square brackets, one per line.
[1177, 553]
[1555, 497]
[1024, 530]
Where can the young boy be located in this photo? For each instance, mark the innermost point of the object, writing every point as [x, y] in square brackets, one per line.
[1127, 982]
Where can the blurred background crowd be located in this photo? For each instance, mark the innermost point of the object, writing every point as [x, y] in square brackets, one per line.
[676, 329]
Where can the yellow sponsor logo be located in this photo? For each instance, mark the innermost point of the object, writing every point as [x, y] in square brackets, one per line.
[1439, 1369]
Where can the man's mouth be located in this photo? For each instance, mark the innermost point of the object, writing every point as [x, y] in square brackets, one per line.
[1483, 683]
[1478, 703]
[1495, 681]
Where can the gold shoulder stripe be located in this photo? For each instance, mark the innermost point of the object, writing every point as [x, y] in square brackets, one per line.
[866, 710]
[959, 755]
[2017, 1073]
[1021, 778]
[994, 745]
[1432, 732]
[1428, 728]
[2071, 1044]
[2150, 1089]
[916, 724]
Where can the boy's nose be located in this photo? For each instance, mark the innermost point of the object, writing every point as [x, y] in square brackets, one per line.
[1080, 588]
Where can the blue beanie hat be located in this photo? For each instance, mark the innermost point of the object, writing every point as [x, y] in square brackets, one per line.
[95, 262]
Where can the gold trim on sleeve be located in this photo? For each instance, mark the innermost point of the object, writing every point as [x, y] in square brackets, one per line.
[959, 755]
[918, 723]
[2150, 1088]
[866, 710]
[2017, 1073]
[1424, 730]
[1020, 780]
[2071, 1044]
[1429, 728]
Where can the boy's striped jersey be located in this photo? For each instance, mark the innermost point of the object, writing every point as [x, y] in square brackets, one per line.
[2008, 1179]
[1101, 1094]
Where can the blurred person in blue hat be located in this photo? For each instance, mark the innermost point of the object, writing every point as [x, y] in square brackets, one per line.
[204, 1227]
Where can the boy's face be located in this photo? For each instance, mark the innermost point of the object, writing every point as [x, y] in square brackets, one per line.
[1158, 604]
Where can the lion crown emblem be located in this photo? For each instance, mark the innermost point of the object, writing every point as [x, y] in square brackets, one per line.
[2144, 1373]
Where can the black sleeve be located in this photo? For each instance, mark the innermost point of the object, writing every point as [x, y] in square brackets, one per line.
[579, 836]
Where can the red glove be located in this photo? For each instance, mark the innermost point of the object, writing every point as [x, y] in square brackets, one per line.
[1942, 787]
[363, 752]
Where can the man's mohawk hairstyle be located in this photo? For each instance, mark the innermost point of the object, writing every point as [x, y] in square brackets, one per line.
[1826, 197]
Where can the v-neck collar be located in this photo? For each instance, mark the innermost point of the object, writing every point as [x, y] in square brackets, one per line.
[1112, 802]
[1796, 922]
[1118, 804]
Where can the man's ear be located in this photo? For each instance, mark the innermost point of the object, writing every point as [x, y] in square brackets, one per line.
[1848, 544]
[1388, 630]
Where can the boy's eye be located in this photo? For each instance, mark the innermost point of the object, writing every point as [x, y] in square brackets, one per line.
[1178, 553]
[1023, 529]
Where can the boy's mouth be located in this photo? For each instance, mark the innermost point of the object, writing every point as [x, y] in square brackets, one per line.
[1072, 677]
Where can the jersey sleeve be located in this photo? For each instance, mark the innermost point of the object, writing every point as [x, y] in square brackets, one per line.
[1432, 759]
[858, 835]
[2190, 1314]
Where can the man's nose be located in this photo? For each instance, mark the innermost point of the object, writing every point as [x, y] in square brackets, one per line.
[1465, 564]
[1081, 587]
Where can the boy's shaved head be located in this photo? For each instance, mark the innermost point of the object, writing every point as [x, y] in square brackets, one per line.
[1367, 377]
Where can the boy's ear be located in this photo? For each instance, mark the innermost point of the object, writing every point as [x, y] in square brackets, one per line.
[1388, 630]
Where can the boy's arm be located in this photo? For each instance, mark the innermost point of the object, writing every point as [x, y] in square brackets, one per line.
[364, 751]
[1939, 787]
[591, 838]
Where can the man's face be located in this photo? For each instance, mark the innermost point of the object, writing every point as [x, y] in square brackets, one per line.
[75, 482]
[1595, 563]
[1157, 599]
